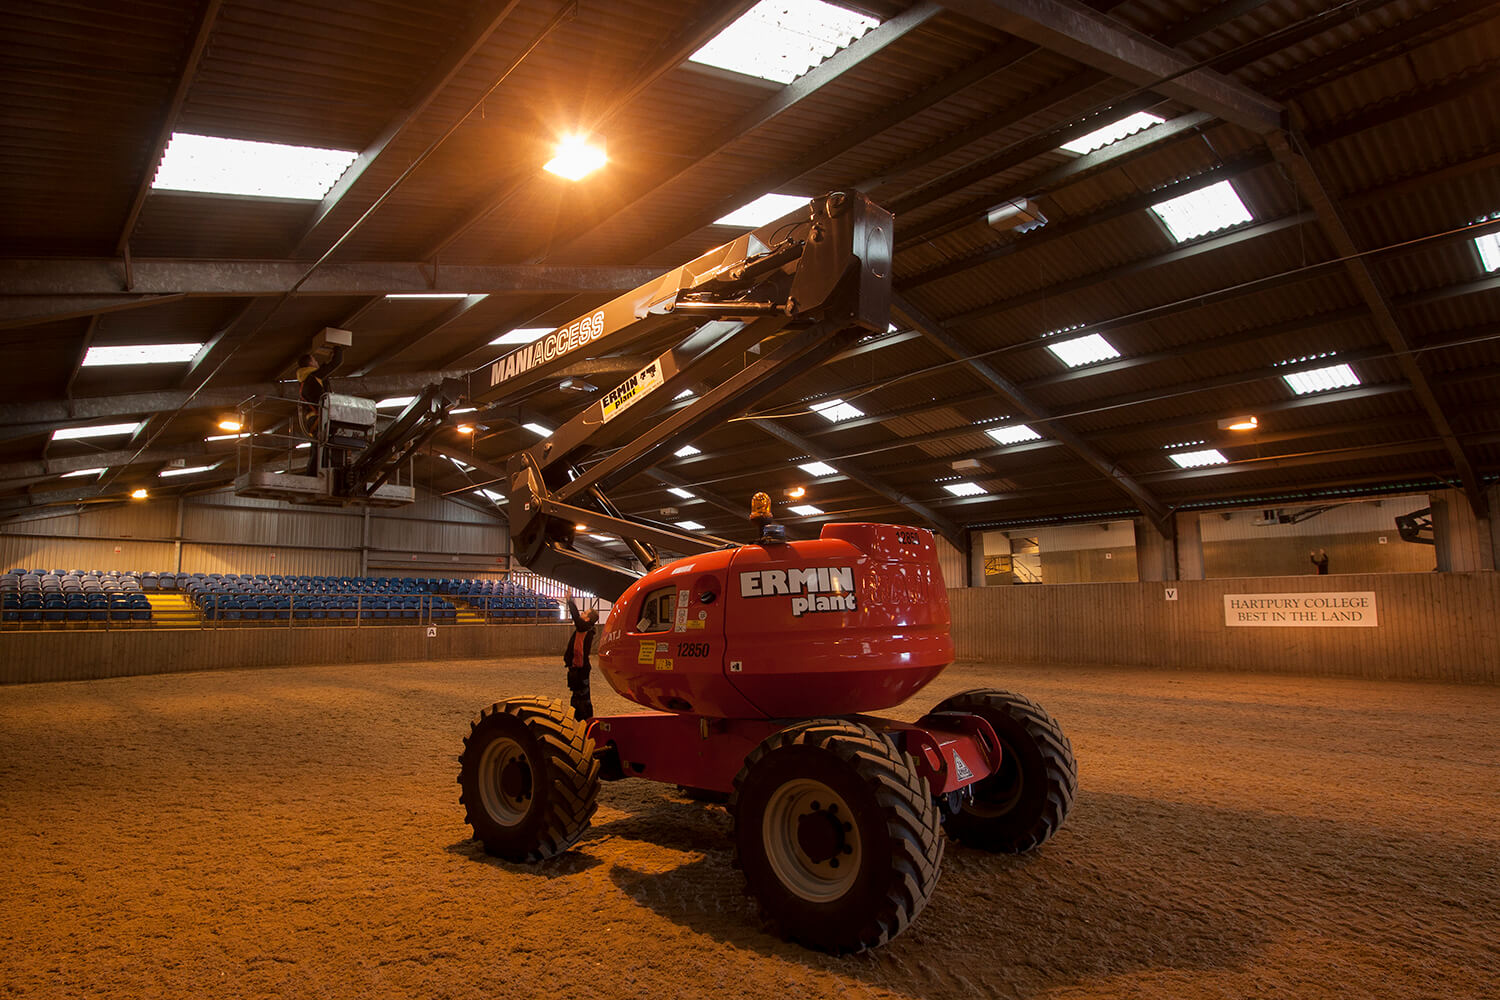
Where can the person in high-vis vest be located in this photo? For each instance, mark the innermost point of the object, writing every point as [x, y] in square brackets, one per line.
[576, 659]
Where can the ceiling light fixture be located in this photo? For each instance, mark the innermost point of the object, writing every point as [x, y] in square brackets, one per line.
[139, 494]
[575, 158]
[465, 428]
[231, 425]
[796, 493]
[1246, 423]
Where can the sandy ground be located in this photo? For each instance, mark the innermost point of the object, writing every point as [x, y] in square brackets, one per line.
[297, 833]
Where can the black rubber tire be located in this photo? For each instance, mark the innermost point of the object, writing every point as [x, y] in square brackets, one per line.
[554, 779]
[1022, 806]
[895, 824]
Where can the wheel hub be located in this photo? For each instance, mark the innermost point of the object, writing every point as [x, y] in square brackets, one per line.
[515, 780]
[505, 781]
[811, 841]
[820, 834]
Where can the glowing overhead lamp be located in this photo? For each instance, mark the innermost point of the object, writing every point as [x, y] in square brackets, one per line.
[139, 493]
[1246, 423]
[231, 425]
[575, 158]
[465, 428]
[796, 493]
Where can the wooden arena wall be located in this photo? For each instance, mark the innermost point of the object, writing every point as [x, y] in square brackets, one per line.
[68, 655]
[1431, 626]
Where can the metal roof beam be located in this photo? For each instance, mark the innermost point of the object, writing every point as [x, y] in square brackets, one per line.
[794, 93]
[207, 18]
[482, 24]
[27, 278]
[667, 57]
[1184, 252]
[1100, 41]
[1074, 226]
[950, 345]
[51, 467]
[779, 177]
[1115, 153]
[22, 419]
[947, 528]
[409, 341]
[1304, 174]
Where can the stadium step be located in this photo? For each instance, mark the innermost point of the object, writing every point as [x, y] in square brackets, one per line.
[171, 607]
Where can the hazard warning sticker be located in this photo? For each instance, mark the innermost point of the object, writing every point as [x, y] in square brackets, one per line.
[647, 652]
[961, 769]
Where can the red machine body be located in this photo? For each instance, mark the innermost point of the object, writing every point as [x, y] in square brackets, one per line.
[729, 642]
[854, 621]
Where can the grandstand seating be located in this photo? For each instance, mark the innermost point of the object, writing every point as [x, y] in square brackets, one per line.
[75, 596]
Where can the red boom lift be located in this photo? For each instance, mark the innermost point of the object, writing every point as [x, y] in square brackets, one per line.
[759, 662]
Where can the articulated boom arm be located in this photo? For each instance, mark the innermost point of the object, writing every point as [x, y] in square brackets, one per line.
[775, 302]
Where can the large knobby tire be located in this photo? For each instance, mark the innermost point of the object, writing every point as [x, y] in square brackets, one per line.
[1025, 802]
[837, 834]
[529, 779]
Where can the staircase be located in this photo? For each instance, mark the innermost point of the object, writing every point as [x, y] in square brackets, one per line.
[169, 607]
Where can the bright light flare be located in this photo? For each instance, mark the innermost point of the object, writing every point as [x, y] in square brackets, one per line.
[575, 158]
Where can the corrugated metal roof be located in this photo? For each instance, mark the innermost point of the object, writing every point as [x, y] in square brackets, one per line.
[1396, 101]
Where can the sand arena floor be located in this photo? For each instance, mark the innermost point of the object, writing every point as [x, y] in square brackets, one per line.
[297, 833]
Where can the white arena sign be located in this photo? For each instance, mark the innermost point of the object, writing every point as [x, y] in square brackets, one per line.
[1354, 609]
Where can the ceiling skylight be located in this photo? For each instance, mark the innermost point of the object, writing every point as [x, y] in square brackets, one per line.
[684, 394]
[537, 429]
[964, 489]
[766, 208]
[98, 430]
[187, 471]
[1083, 350]
[818, 469]
[428, 295]
[83, 472]
[141, 354]
[395, 402]
[779, 40]
[259, 169]
[1113, 132]
[678, 491]
[836, 410]
[490, 495]
[690, 525]
[1321, 379]
[462, 466]
[1013, 434]
[687, 451]
[805, 510]
[601, 538]
[1195, 459]
[1489, 251]
[1206, 210]
[523, 335]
